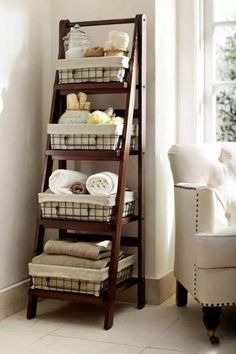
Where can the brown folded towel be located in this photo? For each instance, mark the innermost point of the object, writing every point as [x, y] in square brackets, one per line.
[87, 250]
[70, 261]
[79, 188]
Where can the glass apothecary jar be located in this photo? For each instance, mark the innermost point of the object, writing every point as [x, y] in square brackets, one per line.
[75, 43]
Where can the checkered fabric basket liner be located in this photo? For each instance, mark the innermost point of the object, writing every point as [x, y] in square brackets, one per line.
[88, 136]
[82, 207]
[100, 69]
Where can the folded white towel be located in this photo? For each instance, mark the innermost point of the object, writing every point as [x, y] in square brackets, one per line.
[74, 116]
[104, 183]
[60, 181]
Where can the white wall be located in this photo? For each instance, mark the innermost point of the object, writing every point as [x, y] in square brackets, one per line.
[165, 134]
[187, 72]
[26, 78]
[21, 94]
[161, 90]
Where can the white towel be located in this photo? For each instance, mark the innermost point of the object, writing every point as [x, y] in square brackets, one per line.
[74, 116]
[119, 40]
[104, 183]
[60, 181]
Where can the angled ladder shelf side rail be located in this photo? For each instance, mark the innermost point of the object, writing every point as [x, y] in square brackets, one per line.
[129, 111]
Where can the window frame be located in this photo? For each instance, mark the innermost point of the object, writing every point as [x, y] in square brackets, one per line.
[210, 82]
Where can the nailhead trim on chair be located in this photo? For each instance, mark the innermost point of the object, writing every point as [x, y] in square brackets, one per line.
[197, 201]
[218, 305]
[203, 304]
[195, 267]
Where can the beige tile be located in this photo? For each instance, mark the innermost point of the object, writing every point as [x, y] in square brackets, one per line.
[189, 334]
[131, 326]
[16, 341]
[62, 327]
[41, 323]
[62, 345]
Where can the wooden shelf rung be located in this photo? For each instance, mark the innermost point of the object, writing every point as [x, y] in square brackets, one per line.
[102, 155]
[88, 155]
[103, 22]
[67, 296]
[93, 87]
[76, 225]
[84, 225]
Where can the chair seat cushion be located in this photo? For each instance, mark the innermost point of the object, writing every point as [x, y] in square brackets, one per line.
[216, 250]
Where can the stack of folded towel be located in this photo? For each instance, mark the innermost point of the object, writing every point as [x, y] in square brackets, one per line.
[69, 253]
[69, 182]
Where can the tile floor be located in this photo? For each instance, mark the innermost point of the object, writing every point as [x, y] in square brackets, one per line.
[63, 328]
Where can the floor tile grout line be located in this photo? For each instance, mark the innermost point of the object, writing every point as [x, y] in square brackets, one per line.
[165, 349]
[166, 329]
[94, 340]
[38, 339]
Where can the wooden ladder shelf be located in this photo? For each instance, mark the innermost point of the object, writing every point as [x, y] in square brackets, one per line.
[134, 89]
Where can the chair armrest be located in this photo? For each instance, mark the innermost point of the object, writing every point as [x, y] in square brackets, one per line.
[199, 205]
[197, 209]
[193, 186]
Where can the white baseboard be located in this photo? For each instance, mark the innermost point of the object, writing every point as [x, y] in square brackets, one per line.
[13, 298]
[157, 290]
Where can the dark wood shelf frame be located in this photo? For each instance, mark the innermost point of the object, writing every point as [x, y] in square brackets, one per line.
[88, 155]
[136, 83]
[84, 225]
[92, 88]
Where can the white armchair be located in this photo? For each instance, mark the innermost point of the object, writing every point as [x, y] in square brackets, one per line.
[205, 211]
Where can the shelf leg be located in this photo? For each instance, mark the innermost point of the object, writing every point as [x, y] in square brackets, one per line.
[109, 314]
[141, 294]
[32, 306]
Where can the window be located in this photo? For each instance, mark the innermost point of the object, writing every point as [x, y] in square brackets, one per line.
[220, 69]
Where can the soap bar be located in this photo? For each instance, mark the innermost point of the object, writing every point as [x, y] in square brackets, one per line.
[82, 98]
[72, 102]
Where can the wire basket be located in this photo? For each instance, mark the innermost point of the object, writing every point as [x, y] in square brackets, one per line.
[88, 142]
[74, 76]
[83, 211]
[98, 69]
[78, 285]
[78, 280]
[89, 136]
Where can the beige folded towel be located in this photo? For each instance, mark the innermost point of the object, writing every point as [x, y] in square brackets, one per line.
[87, 250]
[69, 261]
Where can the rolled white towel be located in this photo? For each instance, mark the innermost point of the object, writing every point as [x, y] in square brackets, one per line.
[60, 181]
[119, 40]
[104, 183]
